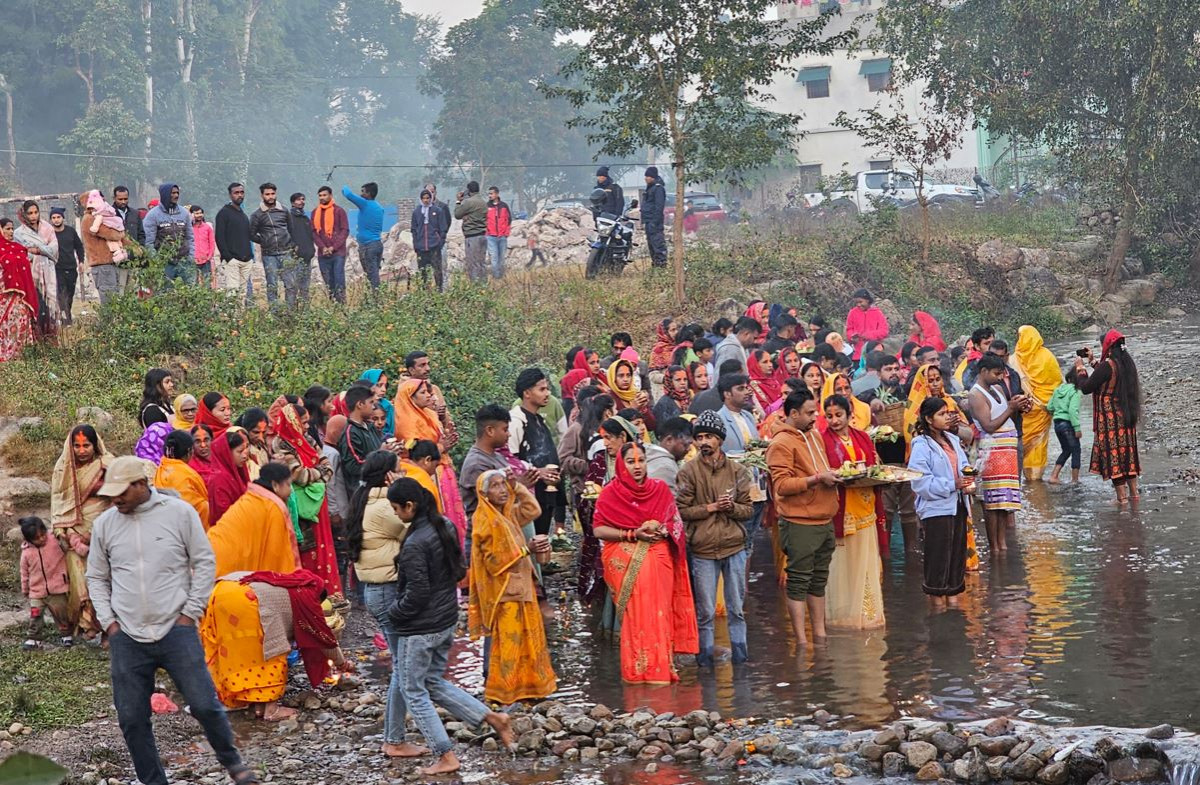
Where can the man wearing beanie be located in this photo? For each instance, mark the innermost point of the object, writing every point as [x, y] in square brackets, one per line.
[713, 494]
[652, 217]
[615, 203]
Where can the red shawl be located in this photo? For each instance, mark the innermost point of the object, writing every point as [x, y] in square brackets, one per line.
[664, 347]
[781, 371]
[758, 311]
[309, 628]
[682, 399]
[204, 416]
[836, 452]
[623, 504]
[226, 481]
[16, 272]
[286, 425]
[767, 389]
[579, 373]
[931, 332]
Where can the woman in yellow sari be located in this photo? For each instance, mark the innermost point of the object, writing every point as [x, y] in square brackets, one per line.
[1041, 376]
[927, 383]
[257, 533]
[839, 384]
[74, 507]
[503, 602]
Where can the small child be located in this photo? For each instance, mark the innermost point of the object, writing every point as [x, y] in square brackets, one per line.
[1064, 408]
[106, 214]
[43, 580]
[379, 418]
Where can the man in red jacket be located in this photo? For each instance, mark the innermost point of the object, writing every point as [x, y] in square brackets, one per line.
[331, 227]
[499, 224]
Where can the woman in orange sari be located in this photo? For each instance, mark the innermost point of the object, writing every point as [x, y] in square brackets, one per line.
[416, 418]
[645, 567]
[503, 602]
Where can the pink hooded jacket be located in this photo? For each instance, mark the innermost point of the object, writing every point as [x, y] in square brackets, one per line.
[43, 570]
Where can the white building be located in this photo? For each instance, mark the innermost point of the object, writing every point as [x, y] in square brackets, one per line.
[819, 87]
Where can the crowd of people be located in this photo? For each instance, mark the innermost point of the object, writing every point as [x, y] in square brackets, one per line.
[263, 528]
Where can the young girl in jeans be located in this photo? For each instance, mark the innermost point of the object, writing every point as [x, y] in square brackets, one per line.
[424, 616]
[1064, 408]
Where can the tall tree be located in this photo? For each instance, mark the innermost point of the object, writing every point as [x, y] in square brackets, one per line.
[690, 78]
[1110, 86]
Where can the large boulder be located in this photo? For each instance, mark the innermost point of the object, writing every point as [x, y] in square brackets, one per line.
[1140, 291]
[998, 253]
[1036, 281]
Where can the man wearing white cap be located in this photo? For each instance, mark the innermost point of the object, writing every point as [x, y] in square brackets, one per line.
[150, 571]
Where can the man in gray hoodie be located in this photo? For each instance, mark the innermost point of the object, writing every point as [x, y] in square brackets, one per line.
[472, 210]
[150, 571]
[169, 230]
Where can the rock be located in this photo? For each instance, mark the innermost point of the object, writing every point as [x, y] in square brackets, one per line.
[681, 735]
[1026, 767]
[490, 744]
[918, 753]
[650, 751]
[589, 753]
[1135, 769]
[571, 755]
[697, 719]
[1146, 749]
[292, 764]
[998, 745]
[1072, 310]
[651, 768]
[949, 744]
[368, 699]
[733, 749]
[887, 738]
[1036, 281]
[1139, 291]
[925, 732]
[96, 416]
[1164, 731]
[550, 724]
[687, 754]
[784, 754]
[1042, 750]
[582, 725]
[820, 715]
[639, 718]
[15, 729]
[700, 733]
[893, 764]
[972, 768]
[1084, 766]
[522, 725]
[931, 772]
[560, 749]
[1109, 312]
[531, 741]
[872, 752]
[1107, 749]
[600, 712]
[1176, 313]
[999, 254]
[766, 744]
[1054, 774]
[995, 766]
[841, 771]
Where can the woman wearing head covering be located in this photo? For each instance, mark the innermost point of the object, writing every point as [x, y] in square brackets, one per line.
[614, 432]
[293, 447]
[150, 446]
[622, 382]
[19, 300]
[667, 331]
[186, 407]
[645, 568]
[787, 364]
[257, 532]
[759, 311]
[417, 419]
[585, 370]
[503, 601]
[865, 322]
[228, 477]
[763, 382]
[378, 381]
[74, 507]
[925, 331]
[839, 384]
[1116, 394]
[1041, 376]
[202, 444]
[215, 412]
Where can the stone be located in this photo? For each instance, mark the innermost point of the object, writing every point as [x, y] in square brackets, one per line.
[589, 753]
[561, 748]
[1019, 750]
[733, 749]
[995, 766]
[1135, 769]
[550, 724]
[972, 767]
[687, 754]
[999, 254]
[1084, 766]
[600, 712]
[605, 745]
[582, 725]
[887, 738]
[101, 419]
[15, 729]
[651, 768]
[681, 735]
[490, 744]
[697, 719]
[700, 733]
[1042, 750]
[1054, 774]
[1036, 280]
[784, 754]
[1164, 731]
[1139, 291]
[949, 744]
[522, 725]
[931, 772]
[766, 744]
[650, 751]
[639, 718]
[918, 753]
[872, 752]
[1026, 767]
[292, 764]
[571, 755]
[1176, 313]
[893, 764]
[821, 716]
[998, 745]
[531, 741]
[1107, 749]
[841, 771]
[925, 732]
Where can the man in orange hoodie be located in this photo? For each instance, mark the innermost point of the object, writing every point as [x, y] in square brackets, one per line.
[806, 499]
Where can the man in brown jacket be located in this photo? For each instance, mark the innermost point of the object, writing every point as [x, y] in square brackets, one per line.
[713, 496]
[806, 500]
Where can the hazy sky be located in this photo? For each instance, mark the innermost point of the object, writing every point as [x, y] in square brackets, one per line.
[451, 12]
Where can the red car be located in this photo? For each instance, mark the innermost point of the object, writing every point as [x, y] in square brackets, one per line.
[705, 207]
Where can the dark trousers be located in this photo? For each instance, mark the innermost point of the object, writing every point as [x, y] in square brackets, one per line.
[370, 256]
[1070, 445]
[431, 260]
[534, 255]
[550, 501]
[132, 665]
[66, 276]
[656, 239]
[296, 275]
[946, 553]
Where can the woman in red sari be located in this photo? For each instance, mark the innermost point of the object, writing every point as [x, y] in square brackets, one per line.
[645, 567]
[763, 381]
[585, 370]
[18, 295]
[216, 412]
[228, 474]
[667, 334]
[311, 474]
[925, 331]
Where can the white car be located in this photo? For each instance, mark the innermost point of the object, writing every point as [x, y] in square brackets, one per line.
[877, 184]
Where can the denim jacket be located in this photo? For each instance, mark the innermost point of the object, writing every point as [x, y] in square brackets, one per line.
[935, 491]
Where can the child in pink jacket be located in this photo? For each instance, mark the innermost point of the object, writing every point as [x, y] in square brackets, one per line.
[43, 579]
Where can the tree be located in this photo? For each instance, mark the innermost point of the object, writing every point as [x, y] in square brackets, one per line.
[920, 141]
[689, 78]
[1109, 86]
[488, 75]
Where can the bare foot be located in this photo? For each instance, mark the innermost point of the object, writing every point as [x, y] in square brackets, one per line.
[446, 764]
[404, 750]
[273, 712]
[1053, 480]
[503, 727]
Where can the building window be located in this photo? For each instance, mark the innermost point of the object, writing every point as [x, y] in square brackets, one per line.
[816, 81]
[877, 83]
[810, 177]
[878, 73]
[883, 163]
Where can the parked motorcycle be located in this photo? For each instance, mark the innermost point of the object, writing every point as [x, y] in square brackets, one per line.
[612, 244]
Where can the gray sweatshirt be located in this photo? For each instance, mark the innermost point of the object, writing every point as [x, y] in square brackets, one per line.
[146, 569]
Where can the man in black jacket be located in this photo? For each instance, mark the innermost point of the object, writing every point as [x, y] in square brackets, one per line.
[298, 271]
[133, 228]
[233, 243]
[69, 263]
[615, 201]
[653, 203]
[269, 227]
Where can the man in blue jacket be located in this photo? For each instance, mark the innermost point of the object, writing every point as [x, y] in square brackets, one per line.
[370, 230]
[653, 204]
[428, 236]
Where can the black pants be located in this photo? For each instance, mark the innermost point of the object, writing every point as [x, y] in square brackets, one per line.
[66, 278]
[534, 255]
[431, 259]
[550, 501]
[656, 239]
[946, 553]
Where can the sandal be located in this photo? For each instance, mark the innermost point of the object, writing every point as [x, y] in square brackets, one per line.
[244, 775]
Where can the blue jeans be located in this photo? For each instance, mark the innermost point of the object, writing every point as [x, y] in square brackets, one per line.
[378, 597]
[1070, 445]
[183, 270]
[424, 658]
[333, 272]
[179, 653]
[496, 248]
[272, 269]
[370, 256]
[705, 573]
[754, 524]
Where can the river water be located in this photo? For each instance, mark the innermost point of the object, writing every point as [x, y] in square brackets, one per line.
[1089, 619]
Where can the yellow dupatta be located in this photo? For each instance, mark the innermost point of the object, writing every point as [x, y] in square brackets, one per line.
[497, 550]
[860, 417]
[624, 396]
[916, 396]
[1037, 365]
[177, 420]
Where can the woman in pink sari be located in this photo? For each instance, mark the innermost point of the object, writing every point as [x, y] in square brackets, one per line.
[18, 296]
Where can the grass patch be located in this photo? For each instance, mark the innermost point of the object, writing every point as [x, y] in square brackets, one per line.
[52, 688]
[10, 571]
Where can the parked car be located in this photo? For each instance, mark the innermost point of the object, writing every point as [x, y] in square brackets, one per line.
[894, 185]
[566, 203]
[707, 207]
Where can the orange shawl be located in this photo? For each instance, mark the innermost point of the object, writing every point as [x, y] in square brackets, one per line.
[412, 421]
[497, 549]
[179, 476]
[255, 534]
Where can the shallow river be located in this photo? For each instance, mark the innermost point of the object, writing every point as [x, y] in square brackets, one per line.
[1089, 619]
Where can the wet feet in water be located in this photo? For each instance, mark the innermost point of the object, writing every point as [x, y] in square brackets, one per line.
[404, 750]
[447, 764]
[503, 727]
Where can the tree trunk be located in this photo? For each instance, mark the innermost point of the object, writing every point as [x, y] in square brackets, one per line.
[1124, 237]
[185, 52]
[247, 26]
[8, 125]
[147, 12]
[87, 78]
